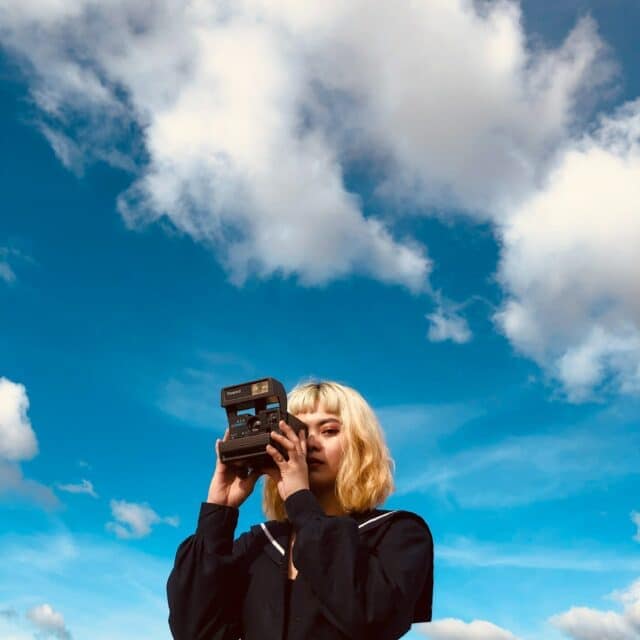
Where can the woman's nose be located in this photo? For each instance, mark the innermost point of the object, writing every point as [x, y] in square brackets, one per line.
[312, 441]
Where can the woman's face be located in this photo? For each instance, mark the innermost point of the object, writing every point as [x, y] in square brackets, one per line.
[325, 443]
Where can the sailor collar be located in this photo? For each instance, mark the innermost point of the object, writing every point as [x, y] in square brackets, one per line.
[278, 532]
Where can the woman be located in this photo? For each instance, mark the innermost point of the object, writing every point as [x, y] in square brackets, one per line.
[328, 564]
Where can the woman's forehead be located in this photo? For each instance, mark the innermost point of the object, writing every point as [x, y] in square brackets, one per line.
[319, 413]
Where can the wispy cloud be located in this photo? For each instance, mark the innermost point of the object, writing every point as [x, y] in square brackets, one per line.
[6, 272]
[635, 517]
[425, 422]
[519, 470]
[87, 579]
[193, 394]
[85, 486]
[9, 257]
[466, 552]
[133, 520]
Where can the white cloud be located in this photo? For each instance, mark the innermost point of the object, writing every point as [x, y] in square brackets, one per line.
[569, 263]
[584, 623]
[85, 486]
[635, 517]
[48, 621]
[135, 520]
[18, 442]
[17, 439]
[253, 115]
[250, 121]
[447, 325]
[450, 111]
[454, 629]
[232, 161]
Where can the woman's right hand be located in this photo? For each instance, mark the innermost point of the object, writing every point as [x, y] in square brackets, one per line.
[228, 486]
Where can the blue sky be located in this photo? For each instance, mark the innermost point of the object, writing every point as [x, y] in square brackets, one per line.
[437, 205]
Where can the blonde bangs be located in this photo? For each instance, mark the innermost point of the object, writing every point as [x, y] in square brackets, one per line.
[365, 478]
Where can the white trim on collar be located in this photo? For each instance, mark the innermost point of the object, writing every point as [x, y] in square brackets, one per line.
[383, 515]
[280, 548]
[274, 542]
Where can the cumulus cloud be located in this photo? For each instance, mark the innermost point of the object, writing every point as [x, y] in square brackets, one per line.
[49, 622]
[569, 263]
[231, 155]
[18, 442]
[248, 126]
[134, 520]
[251, 118]
[454, 629]
[583, 623]
[85, 486]
[17, 439]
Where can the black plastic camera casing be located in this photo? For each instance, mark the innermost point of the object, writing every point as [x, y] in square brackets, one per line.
[254, 409]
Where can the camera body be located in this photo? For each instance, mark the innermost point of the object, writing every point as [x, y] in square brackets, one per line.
[254, 409]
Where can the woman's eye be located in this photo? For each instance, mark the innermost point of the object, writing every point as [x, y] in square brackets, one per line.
[331, 431]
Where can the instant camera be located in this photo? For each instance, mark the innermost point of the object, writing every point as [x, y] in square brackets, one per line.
[254, 409]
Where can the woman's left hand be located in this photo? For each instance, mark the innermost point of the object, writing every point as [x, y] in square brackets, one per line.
[293, 474]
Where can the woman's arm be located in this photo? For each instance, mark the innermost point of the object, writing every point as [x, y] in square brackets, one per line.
[356, 587]
[206, 587]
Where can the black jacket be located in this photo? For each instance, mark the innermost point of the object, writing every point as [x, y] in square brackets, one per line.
[366, 575]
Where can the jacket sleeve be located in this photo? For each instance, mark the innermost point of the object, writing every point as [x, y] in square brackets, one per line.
[206, 587]
[360, 589]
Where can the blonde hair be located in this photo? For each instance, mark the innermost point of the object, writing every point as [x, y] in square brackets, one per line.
[365, 477]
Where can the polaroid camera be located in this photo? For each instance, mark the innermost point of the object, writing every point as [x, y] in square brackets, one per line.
[254, 409]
